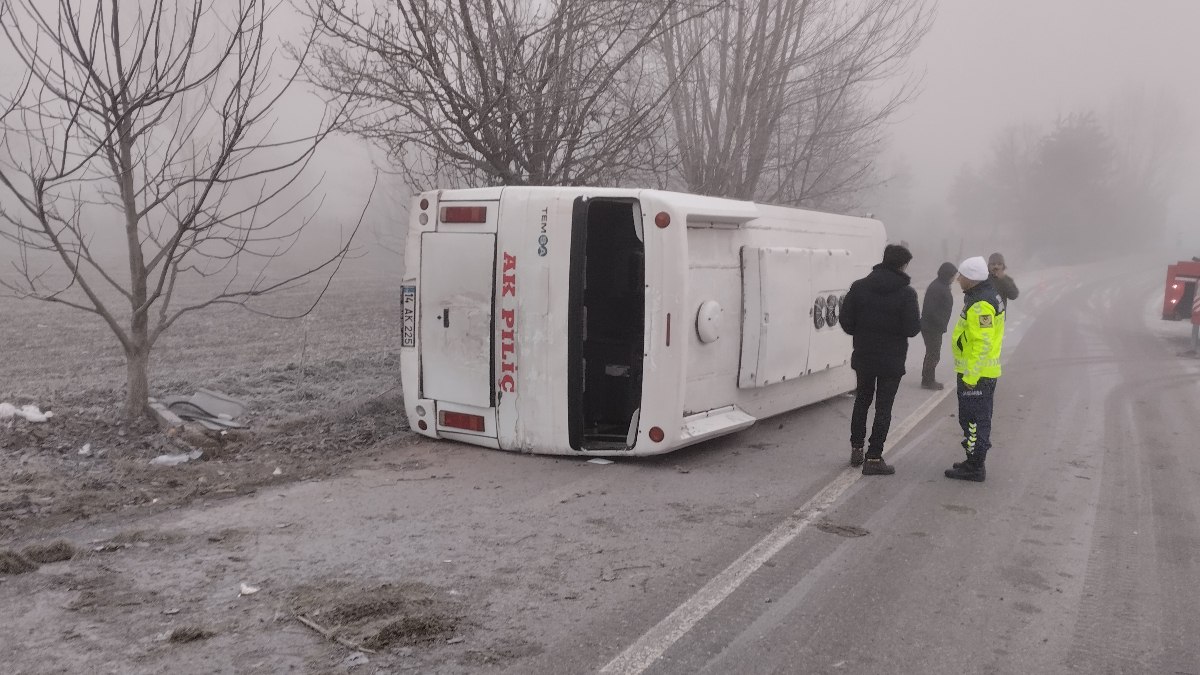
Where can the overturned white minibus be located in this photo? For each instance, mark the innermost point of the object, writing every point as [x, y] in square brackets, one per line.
[567, 320]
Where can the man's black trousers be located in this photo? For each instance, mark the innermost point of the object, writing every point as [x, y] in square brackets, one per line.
[975, 415]
[933, 354]
[883, 391]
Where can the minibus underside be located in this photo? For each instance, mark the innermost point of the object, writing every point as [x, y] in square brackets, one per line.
[607, 322]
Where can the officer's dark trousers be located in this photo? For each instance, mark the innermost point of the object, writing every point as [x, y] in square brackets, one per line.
[933, 354]
[883, 391]
[975, 415]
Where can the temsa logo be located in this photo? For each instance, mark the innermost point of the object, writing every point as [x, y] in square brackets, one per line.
[543, 238]
[508, 325]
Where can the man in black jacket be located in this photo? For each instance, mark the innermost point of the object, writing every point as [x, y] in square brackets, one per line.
[935, 317]
[881, 313]
[998, 274]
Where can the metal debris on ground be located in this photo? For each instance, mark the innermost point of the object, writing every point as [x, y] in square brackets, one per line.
[213, 410]
[247, 589]
[173, 460]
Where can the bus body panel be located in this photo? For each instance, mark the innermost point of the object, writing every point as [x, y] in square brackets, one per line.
[533, 240]
[694, 272]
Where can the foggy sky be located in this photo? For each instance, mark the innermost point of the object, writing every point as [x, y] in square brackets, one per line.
[989, 64]
[986, 64]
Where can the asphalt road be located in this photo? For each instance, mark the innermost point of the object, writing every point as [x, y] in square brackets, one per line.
[1081, 552]
[760, 552]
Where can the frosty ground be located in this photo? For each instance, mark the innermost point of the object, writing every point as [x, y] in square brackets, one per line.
[370, 551]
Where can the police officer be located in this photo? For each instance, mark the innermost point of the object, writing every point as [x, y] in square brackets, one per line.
[977, 341]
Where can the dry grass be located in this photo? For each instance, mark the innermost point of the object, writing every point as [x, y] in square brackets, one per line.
[381, 616]
[12, 562]
[186, 634]
[45, 554]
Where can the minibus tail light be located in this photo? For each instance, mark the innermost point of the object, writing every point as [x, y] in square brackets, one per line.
[464, 214]
[657, 435]
[455, 420]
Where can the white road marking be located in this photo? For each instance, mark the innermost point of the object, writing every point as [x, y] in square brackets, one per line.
[654, 643]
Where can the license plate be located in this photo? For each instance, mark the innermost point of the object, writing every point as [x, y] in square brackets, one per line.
[408, 316]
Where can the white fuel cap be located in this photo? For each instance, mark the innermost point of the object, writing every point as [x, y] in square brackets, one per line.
[708, 321]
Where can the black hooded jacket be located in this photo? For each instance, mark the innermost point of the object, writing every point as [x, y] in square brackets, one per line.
[881, 313]
[939, 301]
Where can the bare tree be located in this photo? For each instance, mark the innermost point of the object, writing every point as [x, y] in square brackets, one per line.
[488, 92]
[149, 125]
[773, 99]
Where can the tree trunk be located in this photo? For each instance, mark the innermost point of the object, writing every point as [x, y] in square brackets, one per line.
[137, 387]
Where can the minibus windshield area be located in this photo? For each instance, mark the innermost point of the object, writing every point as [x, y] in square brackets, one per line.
[607, 324]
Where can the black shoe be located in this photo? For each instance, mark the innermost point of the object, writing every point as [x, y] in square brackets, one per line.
[967, 471]
[856, 456]
[959, 465]
[934, 386]
[875, 466]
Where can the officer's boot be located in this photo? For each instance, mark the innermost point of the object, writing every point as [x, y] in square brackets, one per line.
[959, 465]
[875, 466]
[971, 470]
[856, 456]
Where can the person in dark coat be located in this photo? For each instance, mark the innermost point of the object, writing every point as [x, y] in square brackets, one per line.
[880, 312]
[935, 318]
[998, 275]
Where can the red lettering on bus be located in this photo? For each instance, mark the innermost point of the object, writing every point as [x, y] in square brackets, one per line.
[508, 334]
[510, 276]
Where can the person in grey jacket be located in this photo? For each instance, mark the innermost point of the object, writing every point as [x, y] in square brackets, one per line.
[935, 317]
[998, 273]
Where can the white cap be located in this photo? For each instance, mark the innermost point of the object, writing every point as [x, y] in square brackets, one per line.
[975, 269]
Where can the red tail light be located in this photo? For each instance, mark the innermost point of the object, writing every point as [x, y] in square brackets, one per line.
[463, 421]
[464, 214]
[656, 434]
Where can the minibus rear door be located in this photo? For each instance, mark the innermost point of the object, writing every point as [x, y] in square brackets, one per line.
[457, 273]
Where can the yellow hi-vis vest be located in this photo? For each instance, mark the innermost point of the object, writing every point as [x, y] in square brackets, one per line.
[977, 339]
